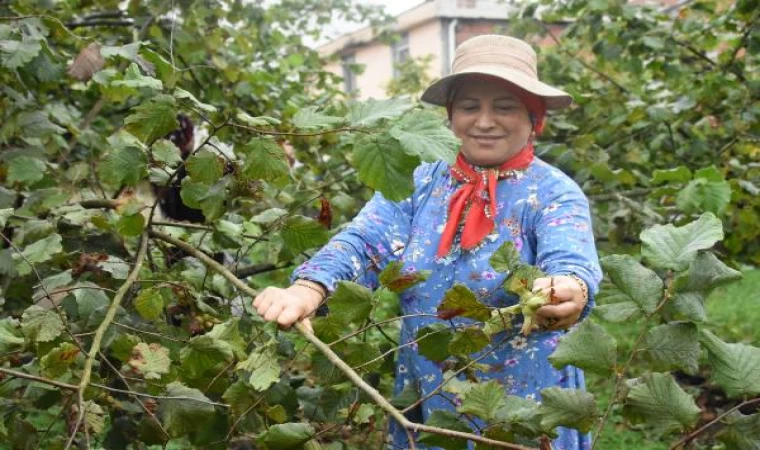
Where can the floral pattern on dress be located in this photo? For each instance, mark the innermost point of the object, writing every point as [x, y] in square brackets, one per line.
[541, 210]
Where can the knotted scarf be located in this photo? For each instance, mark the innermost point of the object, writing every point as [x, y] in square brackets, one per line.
[476, 200]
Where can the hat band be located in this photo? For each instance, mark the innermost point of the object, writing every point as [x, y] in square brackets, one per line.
[490, 58]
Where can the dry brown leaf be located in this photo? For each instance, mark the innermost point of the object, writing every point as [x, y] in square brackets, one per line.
[87, 63]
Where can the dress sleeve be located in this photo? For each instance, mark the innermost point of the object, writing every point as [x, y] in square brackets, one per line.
[565, 239]
[375, 237]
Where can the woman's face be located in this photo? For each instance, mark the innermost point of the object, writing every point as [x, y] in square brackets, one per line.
[491, 122]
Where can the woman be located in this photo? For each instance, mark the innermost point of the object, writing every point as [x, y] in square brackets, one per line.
[458, 216]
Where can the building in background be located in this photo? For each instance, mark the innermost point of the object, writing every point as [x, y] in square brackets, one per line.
[433, 28]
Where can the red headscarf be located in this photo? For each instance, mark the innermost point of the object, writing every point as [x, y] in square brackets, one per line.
[476, 198]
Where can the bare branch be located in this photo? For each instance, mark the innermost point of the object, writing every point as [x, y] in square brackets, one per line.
[100, 332]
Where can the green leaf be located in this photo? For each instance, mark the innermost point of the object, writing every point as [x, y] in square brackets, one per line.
[269, 216]
[506, 258]
[393, 278]
[351, 302]
[240, 397]
[151, 360]
[57, 361]
[136, 80]
[164, 151]
[41, 325]
[673, 346]
[702, 195]
[657, 400]
[686, 306]
[181, 94]
[264, 160]
[710, 173]
[203, 354]
[25, 170]
[523, 416]
[128, 51]
[588, 347]
[735, 367]
[468, 341]
[150, 303]
[433, 342]
[131, 225]
[680, 174]
[384, 166]
[286, 436]
[10, 335]
[263, 365]
[422, 134]
[37, 252]
[260, 121]
[89, 297]
[460, 301]
[633, 282]
[310, 117]
[37, 124]
[705, 273]
[616, 312]
[94, 417]
[186, 415]
[484, 400]
[229, 332]
[205, 167]
[300, 233]
[571, 408]
[449, 420]
[123, 166]
[368, 112]
[5, 213]
[363, 356]
[209, 199]
[741, 432]
[153, 119]
[18, 53]
[671, 247]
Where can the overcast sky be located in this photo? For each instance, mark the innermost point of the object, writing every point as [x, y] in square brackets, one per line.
[394, 7]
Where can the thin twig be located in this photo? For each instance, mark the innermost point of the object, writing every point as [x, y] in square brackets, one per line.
[28, 376]
[100, 332]
[691, 436]
[621, 371]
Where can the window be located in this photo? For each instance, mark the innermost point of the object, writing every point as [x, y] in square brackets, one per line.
[400, 52]
[349, 77]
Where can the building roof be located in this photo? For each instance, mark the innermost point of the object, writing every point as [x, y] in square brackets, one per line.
[422, 13]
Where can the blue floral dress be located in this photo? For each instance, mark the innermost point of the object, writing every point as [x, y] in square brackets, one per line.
[540, 209]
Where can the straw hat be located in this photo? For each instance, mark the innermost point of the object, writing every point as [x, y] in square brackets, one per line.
[504, 57]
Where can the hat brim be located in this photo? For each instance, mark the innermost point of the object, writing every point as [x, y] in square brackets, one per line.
[438, 92]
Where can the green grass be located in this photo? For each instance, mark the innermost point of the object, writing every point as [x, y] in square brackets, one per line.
[733, 312]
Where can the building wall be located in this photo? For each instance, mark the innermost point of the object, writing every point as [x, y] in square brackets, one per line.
[377, 59]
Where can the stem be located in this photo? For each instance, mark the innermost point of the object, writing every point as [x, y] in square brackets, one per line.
[28, 376]
[622, 370]
[690, 437]
[72, 387]
[100, 332]
[335, 359]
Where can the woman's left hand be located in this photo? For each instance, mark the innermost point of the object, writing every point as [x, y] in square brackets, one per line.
[567, 302]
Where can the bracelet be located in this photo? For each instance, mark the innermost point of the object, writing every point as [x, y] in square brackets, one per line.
[583, 285]
[311, 285]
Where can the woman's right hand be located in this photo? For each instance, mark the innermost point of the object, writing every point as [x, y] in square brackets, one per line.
[288, 306]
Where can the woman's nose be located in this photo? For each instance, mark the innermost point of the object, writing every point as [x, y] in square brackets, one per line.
[485, 119]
